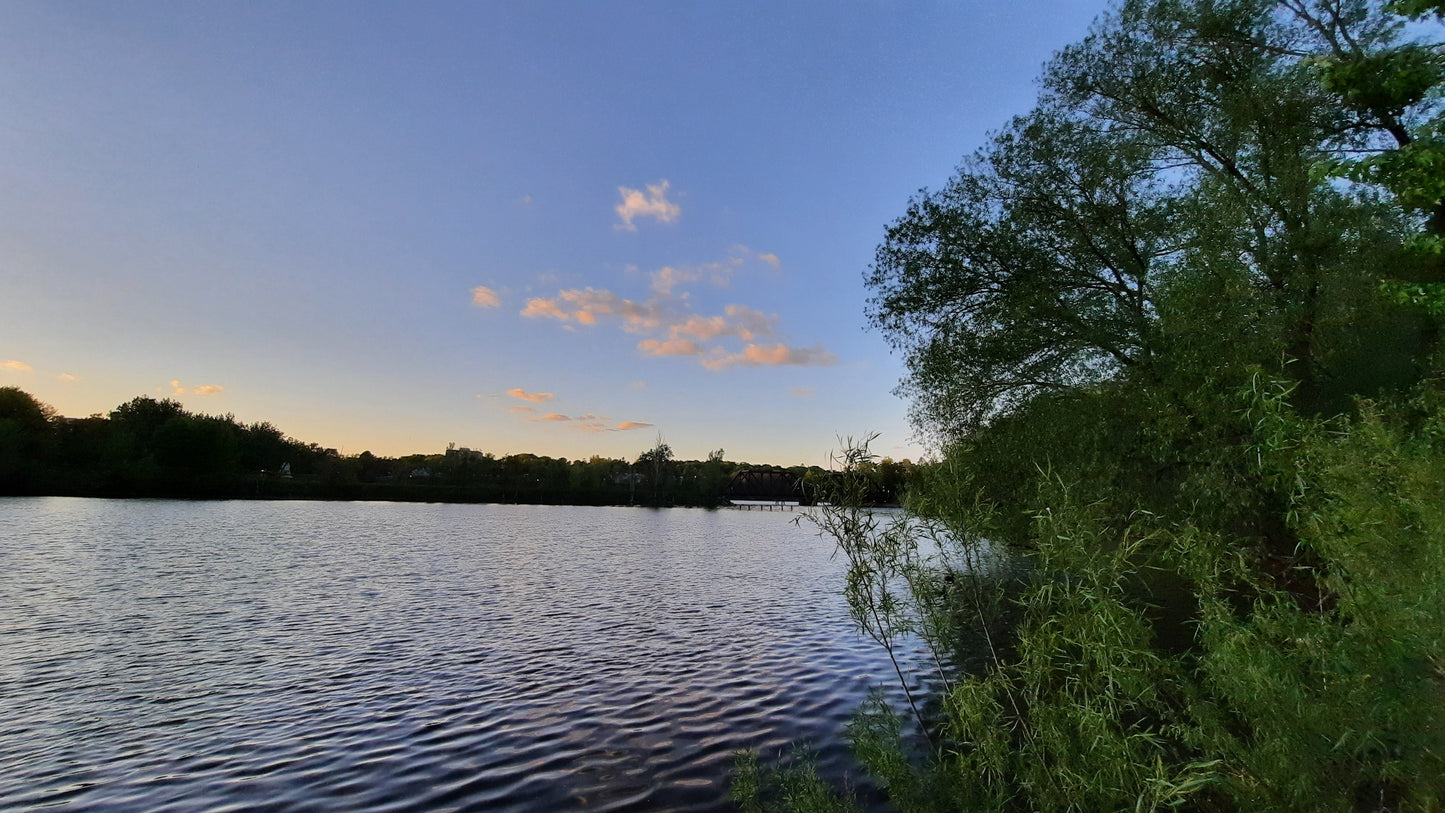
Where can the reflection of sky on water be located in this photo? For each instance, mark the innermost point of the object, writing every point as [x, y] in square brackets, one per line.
[412, 656]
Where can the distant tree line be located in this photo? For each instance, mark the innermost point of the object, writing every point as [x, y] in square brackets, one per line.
[151, 447]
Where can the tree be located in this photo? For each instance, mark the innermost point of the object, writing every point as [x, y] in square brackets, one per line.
[1179, 148]
[655, 462]
[1186, 533]
[1030, 271]
[25, 429]
[24, 410]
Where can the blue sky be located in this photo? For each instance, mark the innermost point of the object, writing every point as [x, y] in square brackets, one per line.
[559, 228]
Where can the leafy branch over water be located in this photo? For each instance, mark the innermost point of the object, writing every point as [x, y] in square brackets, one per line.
[1176, 331]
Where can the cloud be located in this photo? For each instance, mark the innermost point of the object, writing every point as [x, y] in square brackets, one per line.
[757, 355]
[671, 347]
[534, 397]
[203, 390]
[801, 392]
[525, 201]
[738, 320]
[664, 278]
[484, 297]
[719, 273]
[741, 252]
[593, 426]
[638, 385]
[589, 423]
[587, 306]
[544, 307]
[653, 204]
[16, 365]
[68, 377]
[737, 337]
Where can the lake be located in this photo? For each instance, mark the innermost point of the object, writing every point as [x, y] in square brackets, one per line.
[169, 655]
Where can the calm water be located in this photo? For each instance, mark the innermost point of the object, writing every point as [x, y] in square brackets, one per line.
[159, 655]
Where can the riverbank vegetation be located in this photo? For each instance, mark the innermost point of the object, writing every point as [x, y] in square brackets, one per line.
[151, 447]
[1178, 332]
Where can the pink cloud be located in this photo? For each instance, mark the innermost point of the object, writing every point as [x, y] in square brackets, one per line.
[551, 416]
[594, 426]
[738, 320]
[757, 355]
[534, 397]
[484, 297]
[741, 252]
[543, 307]
[653, 204]
[671, 347]
[664, 278]
[587, 306]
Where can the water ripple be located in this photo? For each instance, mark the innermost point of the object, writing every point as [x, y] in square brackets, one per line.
[161, 655]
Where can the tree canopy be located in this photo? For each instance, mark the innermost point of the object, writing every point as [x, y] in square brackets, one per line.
[1182, 153]
[1177, 331]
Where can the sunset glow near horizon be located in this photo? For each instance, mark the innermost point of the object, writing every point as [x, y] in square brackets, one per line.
[553, 228]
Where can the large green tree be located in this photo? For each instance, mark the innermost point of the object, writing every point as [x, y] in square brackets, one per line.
[1180, 151]
[1175, 330]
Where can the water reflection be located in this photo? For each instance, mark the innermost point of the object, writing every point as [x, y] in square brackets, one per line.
[169, 655]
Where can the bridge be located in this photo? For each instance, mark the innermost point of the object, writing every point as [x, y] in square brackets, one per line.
[765, 490]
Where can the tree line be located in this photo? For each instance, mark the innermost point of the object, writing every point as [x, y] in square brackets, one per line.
[1177, 331]
[150, 447]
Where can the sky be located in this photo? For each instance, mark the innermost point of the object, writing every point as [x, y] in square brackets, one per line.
[546, 227]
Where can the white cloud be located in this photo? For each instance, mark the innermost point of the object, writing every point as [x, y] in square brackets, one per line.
[653, 203]
[67, 377]
[534, 397]
[484, 297]
[15, 365]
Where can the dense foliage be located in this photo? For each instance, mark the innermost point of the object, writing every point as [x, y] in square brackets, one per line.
[1177, 331]
[156, 448]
